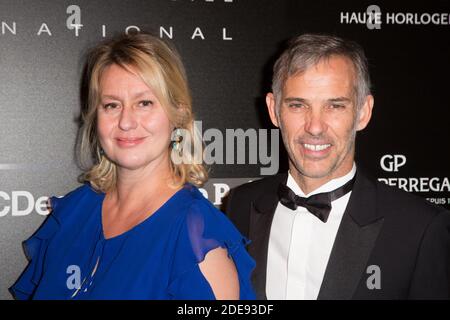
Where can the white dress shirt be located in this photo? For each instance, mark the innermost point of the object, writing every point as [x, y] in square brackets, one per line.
[300, 244]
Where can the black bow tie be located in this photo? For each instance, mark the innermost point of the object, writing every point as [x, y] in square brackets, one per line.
[318, 204]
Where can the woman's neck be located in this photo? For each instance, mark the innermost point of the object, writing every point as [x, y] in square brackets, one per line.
[136, 185]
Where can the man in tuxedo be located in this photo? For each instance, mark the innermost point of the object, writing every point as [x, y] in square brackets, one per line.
[325, 230]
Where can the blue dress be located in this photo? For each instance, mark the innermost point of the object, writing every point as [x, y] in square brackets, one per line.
[157, 259]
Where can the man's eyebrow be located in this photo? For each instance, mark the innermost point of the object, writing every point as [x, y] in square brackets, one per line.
[305, 101]
[296, 99]
[340, 99]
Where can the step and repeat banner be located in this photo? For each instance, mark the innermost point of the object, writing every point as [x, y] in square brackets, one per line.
[228, 47]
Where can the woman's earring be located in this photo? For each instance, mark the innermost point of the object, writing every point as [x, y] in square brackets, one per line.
[177, 138]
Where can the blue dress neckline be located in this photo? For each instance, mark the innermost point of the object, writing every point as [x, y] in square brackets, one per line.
[136, 227]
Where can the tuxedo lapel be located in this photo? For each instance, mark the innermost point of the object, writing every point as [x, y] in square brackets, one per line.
[261, 215]
[354, 242]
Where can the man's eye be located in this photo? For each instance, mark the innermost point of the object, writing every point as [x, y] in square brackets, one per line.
[337, 106]
[146, 103]
[296, 105]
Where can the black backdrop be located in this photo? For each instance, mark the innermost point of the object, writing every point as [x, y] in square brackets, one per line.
[228, 48]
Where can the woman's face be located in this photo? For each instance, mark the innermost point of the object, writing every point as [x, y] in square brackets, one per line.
[133, 128]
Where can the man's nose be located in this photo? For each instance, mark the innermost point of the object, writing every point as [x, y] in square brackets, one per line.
[315, 124]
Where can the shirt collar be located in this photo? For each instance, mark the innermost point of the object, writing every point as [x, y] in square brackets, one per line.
[327, 187]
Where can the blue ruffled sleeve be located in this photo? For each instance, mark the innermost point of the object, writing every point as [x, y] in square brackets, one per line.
[35, 248]
[205, 228]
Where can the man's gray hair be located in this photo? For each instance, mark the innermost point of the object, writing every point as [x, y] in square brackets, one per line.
[308, 50]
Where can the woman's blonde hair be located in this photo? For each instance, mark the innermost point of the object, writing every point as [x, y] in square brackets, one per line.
[160, 67]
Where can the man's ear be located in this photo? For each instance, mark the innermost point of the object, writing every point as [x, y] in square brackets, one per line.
[271, 107]
[365, 114]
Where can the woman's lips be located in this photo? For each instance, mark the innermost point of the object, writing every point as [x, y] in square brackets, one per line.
[129, 142]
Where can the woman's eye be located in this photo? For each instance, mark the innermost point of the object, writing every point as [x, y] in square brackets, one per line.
[146, 103]
[109, 106]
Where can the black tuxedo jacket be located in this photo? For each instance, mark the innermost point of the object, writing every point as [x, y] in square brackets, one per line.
[402, 234]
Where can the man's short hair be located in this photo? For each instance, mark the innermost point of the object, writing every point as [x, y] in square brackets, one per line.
[308, 50]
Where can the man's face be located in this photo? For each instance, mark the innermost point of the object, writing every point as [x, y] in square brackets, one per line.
[318, 119]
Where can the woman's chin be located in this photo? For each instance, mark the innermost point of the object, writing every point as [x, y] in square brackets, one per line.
[136, 161]
[131, 165]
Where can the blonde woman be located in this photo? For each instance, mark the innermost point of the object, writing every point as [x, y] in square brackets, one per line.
[138, 228]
